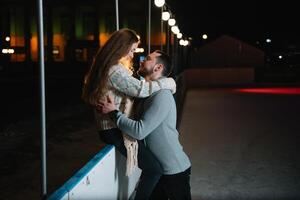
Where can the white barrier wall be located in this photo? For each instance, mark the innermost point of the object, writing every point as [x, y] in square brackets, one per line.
[101, 178]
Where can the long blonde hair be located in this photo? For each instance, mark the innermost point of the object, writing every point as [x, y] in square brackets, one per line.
[116, 47]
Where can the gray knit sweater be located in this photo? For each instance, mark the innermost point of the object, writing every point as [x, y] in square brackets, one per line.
[157, 125]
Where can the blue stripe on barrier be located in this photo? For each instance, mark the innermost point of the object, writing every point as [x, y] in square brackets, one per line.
[74, 180]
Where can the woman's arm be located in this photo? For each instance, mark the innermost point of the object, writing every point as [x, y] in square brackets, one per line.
[121, 80]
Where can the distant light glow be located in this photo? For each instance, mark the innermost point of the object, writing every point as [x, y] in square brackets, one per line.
[7, 38]
[204, 36]
[165, 16]
[179, 35]
[183, 42]
[139, 50]
[278, 90]
[186, 42]
[8, 51]
[55, 51]
[268, 40]
[159, 3]
[142, 58]
[175, 29]
[171, 22]
[280, 56]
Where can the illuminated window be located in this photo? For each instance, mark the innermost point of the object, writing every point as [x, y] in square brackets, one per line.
[17, 41]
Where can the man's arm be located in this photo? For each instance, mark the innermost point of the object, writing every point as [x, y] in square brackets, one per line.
[154, 114]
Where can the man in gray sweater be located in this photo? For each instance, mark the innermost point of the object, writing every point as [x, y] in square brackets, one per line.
[155, 123]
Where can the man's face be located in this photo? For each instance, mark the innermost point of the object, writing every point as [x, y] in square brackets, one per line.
[147, 66]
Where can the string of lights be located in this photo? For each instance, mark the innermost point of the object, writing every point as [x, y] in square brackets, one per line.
[166, 15]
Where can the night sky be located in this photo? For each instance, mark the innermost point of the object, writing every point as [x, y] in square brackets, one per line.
[250, 21]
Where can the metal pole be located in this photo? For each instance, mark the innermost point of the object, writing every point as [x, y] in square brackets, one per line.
[173, 51]
[42, 90]
[177, 56]
[162, 30]
[117, 15]
[149, 28]
[168, 39]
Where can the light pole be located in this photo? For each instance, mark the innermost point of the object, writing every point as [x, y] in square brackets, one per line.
[160, 4]
[165, 16]
[43, 107]
[117, 15]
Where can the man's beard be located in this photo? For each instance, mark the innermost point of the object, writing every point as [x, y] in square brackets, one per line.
[145, 72]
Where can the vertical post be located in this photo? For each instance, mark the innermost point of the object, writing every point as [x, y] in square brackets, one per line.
[173, 54]
[168, 39]
[42, 88]
[117, 14]
[162, 30]
[49, 33]
[177, 56]
[173, 38]
[27, 33]
[149, 27]
[72, 41]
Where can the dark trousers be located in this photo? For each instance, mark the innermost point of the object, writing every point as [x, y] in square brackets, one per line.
[173, 187]
[151, 168]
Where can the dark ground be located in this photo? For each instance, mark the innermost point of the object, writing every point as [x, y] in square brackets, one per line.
[70, 129]
[242, 145]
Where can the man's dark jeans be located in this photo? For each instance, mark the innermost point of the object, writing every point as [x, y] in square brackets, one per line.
[173, 187]
[151, 168]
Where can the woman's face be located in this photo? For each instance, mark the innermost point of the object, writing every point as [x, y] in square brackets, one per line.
[132, 50]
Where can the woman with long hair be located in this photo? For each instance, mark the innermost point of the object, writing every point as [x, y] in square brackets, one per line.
[111, 74]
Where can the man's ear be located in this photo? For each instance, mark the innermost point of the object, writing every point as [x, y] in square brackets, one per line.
[158, 67]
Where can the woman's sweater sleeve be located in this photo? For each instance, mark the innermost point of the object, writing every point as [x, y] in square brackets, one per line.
[121, 80]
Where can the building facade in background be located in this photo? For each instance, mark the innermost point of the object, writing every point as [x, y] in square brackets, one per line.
[73, 29]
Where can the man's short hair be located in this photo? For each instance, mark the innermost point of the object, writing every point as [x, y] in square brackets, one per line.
[164, 59]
